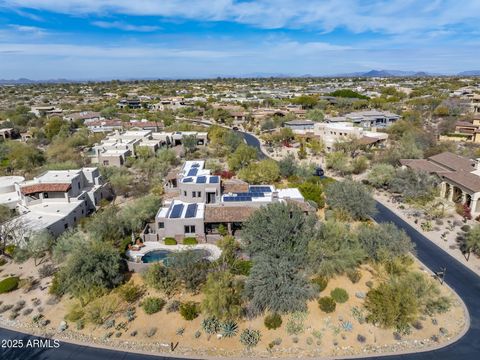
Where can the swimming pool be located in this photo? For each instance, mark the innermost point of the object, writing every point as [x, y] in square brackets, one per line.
[162, 255]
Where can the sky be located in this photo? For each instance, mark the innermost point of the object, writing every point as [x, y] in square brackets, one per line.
[127, 39]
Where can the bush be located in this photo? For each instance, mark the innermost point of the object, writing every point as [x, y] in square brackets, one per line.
[130, 292]
[327, 304]
[273, 321]
[152, 305]
[241, 267]
[173, 306]
[150, 332]
[250, 338]
[229, 328]
[361, 338]
[211, 325]
[75, 313]
[9, 250]
[46, 270]
[189, 310]
[321, 282]
[2, 261]
[9, 284]
[190, 241]
[465, 228]
[354, 276]
[170, 241]
[296, 323]
[339, 295]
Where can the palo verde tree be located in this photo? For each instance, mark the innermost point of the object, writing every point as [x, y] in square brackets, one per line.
[276, 238]
[351, 197]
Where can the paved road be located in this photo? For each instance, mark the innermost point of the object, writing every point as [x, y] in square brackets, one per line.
[253, 141]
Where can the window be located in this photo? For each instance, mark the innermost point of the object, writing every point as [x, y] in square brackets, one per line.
[45, 195]
[106, 162]
[65, 226]
[199, 194]
[194, 194]
[189, 229]
[161, 225]
[184, 193]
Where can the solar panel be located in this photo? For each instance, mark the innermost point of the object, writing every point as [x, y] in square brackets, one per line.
[260, 189]
[201, 180]
[237, 198]
[176, 211]
[214, 179]
[196, 165]
[251, 194]
[191, 211]
[186, 180]
[192, 172]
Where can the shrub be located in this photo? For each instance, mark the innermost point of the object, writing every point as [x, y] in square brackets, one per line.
[173, 306]
[9, 284]
[327, 304]
[46, 270]
[75, 313]
[296, 323]
[339, 295]
[170, 241]
[190, 241]
[250, 338]
[130, 292]
[229, 328]
[150, 332]
[211, 325]
[189, 310]
[369, 284]
[321, 282]
[2, 261]
[9, 250]
[438, 306]
[241, 267]
[354, 276]
[152, 305]
[361, 338]
[222, 230]
[273, 321]
[465, 228]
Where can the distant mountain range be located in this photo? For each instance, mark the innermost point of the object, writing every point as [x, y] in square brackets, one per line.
[371, 73]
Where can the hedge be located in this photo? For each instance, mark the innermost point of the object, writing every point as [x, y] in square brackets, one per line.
[9, 284]
[170, 241]
[190, 241]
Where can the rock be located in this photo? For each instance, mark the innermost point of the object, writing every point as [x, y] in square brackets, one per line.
[360, 294]
[62, 327]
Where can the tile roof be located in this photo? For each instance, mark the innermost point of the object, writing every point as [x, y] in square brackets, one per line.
[465, 179]
[453, 161]
[222, 213]
[423, 165]
[47, 187]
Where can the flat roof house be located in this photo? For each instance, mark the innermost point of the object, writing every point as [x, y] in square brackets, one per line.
[367, 119]
[300, 124]
[57, 200]
[207, 203]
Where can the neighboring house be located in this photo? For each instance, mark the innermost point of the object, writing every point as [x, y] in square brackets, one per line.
[366, 119]
[103, 126]
[465, 131]
[300, 124]
[7, 133]
[83, 115]
[169, 104]
[129, 103]
[460, 177]
[9, 196]
[333, 133]
[40, 111]
[206, 203]
[56, 200]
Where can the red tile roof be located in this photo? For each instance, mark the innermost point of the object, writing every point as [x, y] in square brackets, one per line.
[51, 187]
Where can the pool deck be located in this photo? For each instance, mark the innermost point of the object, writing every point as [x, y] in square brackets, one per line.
[136, 256]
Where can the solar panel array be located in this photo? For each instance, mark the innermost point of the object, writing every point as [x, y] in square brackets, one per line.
[201, 180]
[237, 198]
[176, 211]
[251, 194]
[196, 165]
[192, 172]
[214, 179]
[259, 189]
[187, 180]
[191, 211]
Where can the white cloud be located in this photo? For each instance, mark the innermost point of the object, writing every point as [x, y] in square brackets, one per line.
[389, 16]
[29, 30]
[124, 26]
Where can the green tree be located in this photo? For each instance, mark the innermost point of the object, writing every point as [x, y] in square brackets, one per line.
[95, 266]
[306, 101]
[313, 192]
[53, 126]
[384, 241]
[66, 243]
[315, 115]
[416, 186]
[161, 278]
[352, 197]
[276, 237]
[189, 143]
[38, 244]
[261, 172]
[339, 162]
[241, 157]
[222, 296]
[472, 241]
[381, 175]
[334, 250]
[189, 268]
[287, 165]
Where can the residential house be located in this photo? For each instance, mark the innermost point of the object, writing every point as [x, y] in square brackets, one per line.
[366, 119]
[459, 177]
[300, 124]
[465, 131]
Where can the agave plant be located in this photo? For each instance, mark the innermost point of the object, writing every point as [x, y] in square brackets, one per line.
[229, 328]
[250, 338]
[347, 326]
[211, 325]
